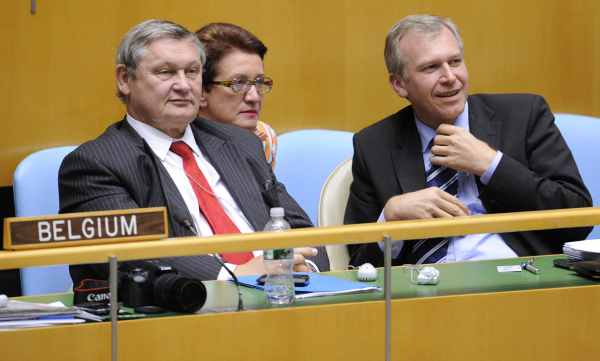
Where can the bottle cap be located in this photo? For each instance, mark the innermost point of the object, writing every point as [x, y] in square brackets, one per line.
[277, 212]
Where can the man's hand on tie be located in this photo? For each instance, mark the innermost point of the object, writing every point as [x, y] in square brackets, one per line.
[456, 148]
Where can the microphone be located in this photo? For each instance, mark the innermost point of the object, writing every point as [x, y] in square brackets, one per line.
[269, 190]
[191, 228]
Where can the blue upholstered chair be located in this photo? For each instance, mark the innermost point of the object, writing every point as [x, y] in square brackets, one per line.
[35, 185]
[582, 134]
[305, 158]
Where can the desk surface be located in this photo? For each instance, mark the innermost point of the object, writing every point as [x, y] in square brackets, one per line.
[551, 316]
[455, 279]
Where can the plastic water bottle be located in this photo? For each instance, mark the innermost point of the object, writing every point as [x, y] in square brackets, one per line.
[279, 263]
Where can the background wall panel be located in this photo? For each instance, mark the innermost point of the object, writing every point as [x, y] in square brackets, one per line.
[326, 58]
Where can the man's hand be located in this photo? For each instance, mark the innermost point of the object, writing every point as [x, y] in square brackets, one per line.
[256, 265]
[300, 255]
[456, 148]
[431, 202]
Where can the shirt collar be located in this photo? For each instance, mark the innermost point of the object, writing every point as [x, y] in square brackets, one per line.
[159, 141]
[426, 133]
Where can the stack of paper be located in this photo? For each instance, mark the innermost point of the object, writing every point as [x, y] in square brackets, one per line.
[587, 250]
[18, 314]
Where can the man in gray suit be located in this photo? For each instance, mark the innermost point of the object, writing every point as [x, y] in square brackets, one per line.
[451, 154]
[136, 163]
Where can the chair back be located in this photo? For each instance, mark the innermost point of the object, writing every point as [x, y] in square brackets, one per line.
[582, 134]
[305, 158]
[35, 185]
[332, 206]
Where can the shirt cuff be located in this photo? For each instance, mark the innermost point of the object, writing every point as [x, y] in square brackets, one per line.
[487, 175]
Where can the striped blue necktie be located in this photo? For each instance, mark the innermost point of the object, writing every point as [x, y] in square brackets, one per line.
[433, 249]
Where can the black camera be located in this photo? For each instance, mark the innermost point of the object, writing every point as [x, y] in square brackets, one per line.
[154, 283]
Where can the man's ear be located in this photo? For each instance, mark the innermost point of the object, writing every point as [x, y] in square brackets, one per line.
[123, 78]
[398, 84]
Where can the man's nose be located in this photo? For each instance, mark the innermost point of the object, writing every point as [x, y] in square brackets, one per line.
[448, 73]
[181, 81]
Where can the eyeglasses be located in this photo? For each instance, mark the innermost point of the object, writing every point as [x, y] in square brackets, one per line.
[263, 84]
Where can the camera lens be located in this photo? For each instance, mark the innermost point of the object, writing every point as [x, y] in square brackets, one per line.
[178, 293]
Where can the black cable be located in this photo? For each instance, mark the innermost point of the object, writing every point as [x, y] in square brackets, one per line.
[240, 306]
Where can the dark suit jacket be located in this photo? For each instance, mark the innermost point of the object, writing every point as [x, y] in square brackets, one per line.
[537, 170]
[118, 170]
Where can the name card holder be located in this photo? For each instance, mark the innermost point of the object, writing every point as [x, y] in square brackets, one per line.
[85, 228]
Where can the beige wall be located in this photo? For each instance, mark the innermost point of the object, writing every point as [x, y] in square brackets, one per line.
[56, 67]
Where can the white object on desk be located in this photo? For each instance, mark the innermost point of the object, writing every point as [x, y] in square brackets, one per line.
[366, 272]
[582, 250]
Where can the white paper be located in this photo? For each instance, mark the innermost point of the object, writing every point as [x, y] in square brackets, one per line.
[510, 268]
[7, 325]
[589, 245]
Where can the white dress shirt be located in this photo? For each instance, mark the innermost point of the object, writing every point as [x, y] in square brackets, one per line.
[160, 143]
[473, 246]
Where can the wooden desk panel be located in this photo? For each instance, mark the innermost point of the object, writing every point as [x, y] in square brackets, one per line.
[549, 324]
[552, 320]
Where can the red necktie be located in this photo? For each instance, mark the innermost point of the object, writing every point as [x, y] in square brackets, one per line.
[219, 221]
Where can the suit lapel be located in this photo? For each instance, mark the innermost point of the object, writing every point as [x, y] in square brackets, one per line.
[484, 126]
[177, 210]
[482, 122]
[406, 156]
[235, 173]
[175, 204]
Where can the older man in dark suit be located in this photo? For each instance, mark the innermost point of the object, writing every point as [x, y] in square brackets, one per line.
[210, 176]
[451, 154]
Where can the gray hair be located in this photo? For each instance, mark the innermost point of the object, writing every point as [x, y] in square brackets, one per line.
[424, 24]
[134, 43]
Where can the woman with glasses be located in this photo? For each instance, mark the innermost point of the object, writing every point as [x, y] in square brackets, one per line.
[234, 81]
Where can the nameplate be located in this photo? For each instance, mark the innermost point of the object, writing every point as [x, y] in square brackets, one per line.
[85, 228]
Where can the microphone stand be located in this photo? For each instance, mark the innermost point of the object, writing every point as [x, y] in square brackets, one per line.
[240, 305]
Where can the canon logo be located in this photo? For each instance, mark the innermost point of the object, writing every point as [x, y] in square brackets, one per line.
[99, 297]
